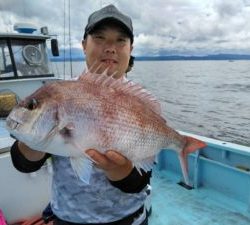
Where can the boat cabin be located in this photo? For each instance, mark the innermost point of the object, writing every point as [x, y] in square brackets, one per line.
[24, 64]
[24, 55]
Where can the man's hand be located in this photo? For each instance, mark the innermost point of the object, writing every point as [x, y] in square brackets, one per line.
[29, 153]
[115, 165]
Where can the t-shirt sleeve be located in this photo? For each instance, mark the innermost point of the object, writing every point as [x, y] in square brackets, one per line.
[134, 182]
[22, 164]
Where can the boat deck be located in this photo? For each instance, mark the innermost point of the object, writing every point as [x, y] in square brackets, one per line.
[173, 204]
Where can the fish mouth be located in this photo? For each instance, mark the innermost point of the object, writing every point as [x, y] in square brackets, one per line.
[12, 124]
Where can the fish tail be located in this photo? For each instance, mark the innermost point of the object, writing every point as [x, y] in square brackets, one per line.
[192, 144]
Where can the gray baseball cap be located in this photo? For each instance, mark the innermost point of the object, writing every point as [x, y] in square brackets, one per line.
[109, 13]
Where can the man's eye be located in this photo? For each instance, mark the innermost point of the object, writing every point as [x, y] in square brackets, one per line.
[100, 37]
[122, 40]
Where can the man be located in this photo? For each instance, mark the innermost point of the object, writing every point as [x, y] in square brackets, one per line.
[118, 192]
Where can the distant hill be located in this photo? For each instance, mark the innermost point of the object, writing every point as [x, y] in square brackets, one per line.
[77, 55]
[207, 57]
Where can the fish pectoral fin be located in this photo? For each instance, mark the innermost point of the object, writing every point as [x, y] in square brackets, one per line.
[82, 167]
[67, 129]
[146, 164]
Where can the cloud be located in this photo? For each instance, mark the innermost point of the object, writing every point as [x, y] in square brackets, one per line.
[160, 27]
[227, 9]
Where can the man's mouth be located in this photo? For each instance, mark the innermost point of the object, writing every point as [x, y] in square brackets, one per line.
[109, 61]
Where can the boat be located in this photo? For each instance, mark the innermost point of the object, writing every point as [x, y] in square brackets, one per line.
[220, 173]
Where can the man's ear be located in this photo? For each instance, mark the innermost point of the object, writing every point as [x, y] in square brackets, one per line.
[131, 48]
[84, 45]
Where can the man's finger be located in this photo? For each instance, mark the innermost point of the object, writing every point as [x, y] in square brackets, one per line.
[116, 157]
[97, 157]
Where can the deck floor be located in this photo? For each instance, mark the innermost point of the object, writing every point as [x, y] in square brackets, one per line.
[174, 205]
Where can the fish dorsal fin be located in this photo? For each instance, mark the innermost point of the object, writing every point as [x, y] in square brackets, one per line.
[125, 86]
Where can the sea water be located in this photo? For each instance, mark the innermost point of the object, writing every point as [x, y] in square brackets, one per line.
[209, 98]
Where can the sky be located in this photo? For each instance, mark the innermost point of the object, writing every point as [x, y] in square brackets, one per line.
[161, 27]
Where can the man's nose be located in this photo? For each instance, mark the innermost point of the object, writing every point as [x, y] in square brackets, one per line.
[110, 47]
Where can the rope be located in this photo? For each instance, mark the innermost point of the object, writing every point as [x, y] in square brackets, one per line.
[70, 53]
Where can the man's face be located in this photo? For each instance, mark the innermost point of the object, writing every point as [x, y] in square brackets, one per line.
[109, 47]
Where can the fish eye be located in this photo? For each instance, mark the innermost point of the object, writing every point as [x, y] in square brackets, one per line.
[32, 104]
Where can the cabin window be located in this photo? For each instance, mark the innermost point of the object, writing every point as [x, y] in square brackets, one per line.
[6, 68]
[30, 57]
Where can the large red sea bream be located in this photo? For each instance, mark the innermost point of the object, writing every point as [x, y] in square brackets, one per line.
[97, 112]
